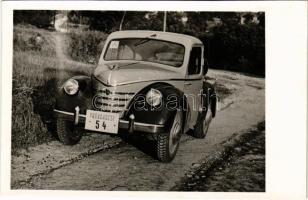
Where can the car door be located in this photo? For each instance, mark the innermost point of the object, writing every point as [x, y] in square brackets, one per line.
[193, 83]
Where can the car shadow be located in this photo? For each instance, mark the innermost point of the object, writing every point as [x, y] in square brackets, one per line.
[43, 99]
[190, 132]
[142, 142]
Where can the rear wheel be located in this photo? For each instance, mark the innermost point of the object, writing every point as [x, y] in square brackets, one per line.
[68, 133]
[168, 143]
[203, 124]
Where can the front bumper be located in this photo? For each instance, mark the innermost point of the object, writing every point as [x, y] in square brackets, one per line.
[130, 125]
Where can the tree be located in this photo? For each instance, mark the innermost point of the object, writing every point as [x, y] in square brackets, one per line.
[106, 21]
[228, 18]
[39, 18]
[136, 20]
[197, 22]
[261, 18]
[175, 22]
[155, 20]
[248, 18]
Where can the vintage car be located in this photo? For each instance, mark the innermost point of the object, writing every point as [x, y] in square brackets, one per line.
[145, 82]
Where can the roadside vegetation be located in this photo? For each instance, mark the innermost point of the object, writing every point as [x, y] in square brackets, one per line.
[36, 77]
[30, 39]
[86, 46]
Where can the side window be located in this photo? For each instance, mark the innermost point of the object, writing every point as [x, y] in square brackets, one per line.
[195, 61]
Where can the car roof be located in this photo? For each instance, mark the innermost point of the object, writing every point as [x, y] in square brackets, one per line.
[169, 36]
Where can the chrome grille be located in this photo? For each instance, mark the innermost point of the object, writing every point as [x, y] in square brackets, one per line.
[112, 101]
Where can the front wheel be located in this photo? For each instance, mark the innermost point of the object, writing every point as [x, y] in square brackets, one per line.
[168, 143]
[68, 133]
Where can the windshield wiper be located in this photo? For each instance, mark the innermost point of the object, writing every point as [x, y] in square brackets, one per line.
[142, 41]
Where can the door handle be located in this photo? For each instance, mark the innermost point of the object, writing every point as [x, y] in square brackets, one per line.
[187, 84]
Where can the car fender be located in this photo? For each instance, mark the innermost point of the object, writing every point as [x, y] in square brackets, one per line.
[83, 98]
[162, 116]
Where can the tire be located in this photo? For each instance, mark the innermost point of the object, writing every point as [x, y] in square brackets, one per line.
[213, 105]
[203, 123]
[68, 133]
[168, 143]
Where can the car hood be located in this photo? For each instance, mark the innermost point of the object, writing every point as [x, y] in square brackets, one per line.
[114, 74]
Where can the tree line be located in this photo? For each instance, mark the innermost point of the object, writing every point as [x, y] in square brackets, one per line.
[233, 40]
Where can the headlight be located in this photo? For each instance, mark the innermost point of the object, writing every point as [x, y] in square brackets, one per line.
[71, 86]
[154, 97]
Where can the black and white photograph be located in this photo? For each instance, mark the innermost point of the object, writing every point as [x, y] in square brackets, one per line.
[138, 101]
[157, 100]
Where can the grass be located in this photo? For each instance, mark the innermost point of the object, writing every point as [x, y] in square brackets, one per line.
[36, 77]
[31, 39]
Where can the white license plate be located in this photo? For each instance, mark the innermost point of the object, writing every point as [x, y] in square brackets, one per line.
[102, 121]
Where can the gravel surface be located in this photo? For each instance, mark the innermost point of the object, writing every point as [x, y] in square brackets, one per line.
[241, 170]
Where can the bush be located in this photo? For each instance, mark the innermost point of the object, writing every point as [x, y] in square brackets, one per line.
[29, 38]
[86, 46]
[38, 18]
[238, 48]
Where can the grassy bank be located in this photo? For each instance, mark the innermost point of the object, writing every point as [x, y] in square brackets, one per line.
[36, 76]
[33, 40]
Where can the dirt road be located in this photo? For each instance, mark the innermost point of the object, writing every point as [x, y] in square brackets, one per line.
[131, 166]
[60, 46]
[60, 23]
[242, 168]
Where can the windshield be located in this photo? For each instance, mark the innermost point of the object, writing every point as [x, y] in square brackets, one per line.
[146, 49]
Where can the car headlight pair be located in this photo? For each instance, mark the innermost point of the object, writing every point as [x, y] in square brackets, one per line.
[154, 97]
[71, 86]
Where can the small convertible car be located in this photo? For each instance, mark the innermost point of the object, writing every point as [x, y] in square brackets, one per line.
[147, 82]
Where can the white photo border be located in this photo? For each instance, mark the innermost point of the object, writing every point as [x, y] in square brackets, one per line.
[286, 95]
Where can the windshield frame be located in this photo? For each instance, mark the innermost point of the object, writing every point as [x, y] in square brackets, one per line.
[144, 38]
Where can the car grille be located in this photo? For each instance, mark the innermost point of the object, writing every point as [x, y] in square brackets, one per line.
[112, 101]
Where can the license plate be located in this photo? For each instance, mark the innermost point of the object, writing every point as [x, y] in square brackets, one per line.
[102, 121]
